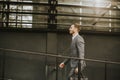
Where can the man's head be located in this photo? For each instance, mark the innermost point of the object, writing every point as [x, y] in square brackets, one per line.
[74, 28]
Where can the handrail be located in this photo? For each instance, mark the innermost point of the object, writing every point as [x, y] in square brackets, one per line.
[59, 56]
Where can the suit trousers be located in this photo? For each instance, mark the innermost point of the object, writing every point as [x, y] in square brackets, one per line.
[72, 75]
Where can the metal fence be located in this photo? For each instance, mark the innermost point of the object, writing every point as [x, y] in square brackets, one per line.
[54, 67]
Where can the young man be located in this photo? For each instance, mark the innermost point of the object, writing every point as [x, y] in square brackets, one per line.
[76, 50]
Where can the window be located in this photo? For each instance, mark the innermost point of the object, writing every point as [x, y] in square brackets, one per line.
[20, 20]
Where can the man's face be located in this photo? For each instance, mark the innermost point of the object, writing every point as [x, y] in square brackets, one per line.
[72, 29]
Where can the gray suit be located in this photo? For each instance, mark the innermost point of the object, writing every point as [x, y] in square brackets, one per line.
[76, 50]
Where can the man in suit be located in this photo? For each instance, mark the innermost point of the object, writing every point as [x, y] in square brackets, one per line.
[76, 50]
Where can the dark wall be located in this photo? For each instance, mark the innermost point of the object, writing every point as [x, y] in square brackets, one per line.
[103, 47]
[20, 66]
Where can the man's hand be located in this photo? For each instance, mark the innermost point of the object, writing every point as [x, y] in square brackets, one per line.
[76, 70]
[62, 65]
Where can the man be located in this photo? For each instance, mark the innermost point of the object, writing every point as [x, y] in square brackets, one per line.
[76, 50]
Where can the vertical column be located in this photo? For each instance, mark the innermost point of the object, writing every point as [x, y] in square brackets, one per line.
[52, 11]
[3, 15]
[7, 14]
[52, 62]
[52, 43]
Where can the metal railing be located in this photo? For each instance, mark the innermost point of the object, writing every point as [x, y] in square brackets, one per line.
[57, 56]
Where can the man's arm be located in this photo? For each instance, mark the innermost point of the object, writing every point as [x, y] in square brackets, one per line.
[64, 63]
[80, 47]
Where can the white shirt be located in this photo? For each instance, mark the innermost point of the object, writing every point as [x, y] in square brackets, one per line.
[74, 36]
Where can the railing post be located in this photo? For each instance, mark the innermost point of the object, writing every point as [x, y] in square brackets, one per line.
[3, 66]
[79, 69]
[105, 71]
[56, 68]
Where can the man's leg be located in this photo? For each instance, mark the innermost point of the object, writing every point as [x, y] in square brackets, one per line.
[71, 74]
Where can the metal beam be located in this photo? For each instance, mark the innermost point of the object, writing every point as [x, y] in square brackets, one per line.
[88, 16]
[62, 14]
[24, 3]
[86, 7]
[60, 24]
[58, 5]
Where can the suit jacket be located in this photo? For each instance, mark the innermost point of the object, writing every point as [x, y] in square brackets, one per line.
[77, 50]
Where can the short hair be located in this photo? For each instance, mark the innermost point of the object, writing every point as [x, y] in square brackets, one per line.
[77, 25]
